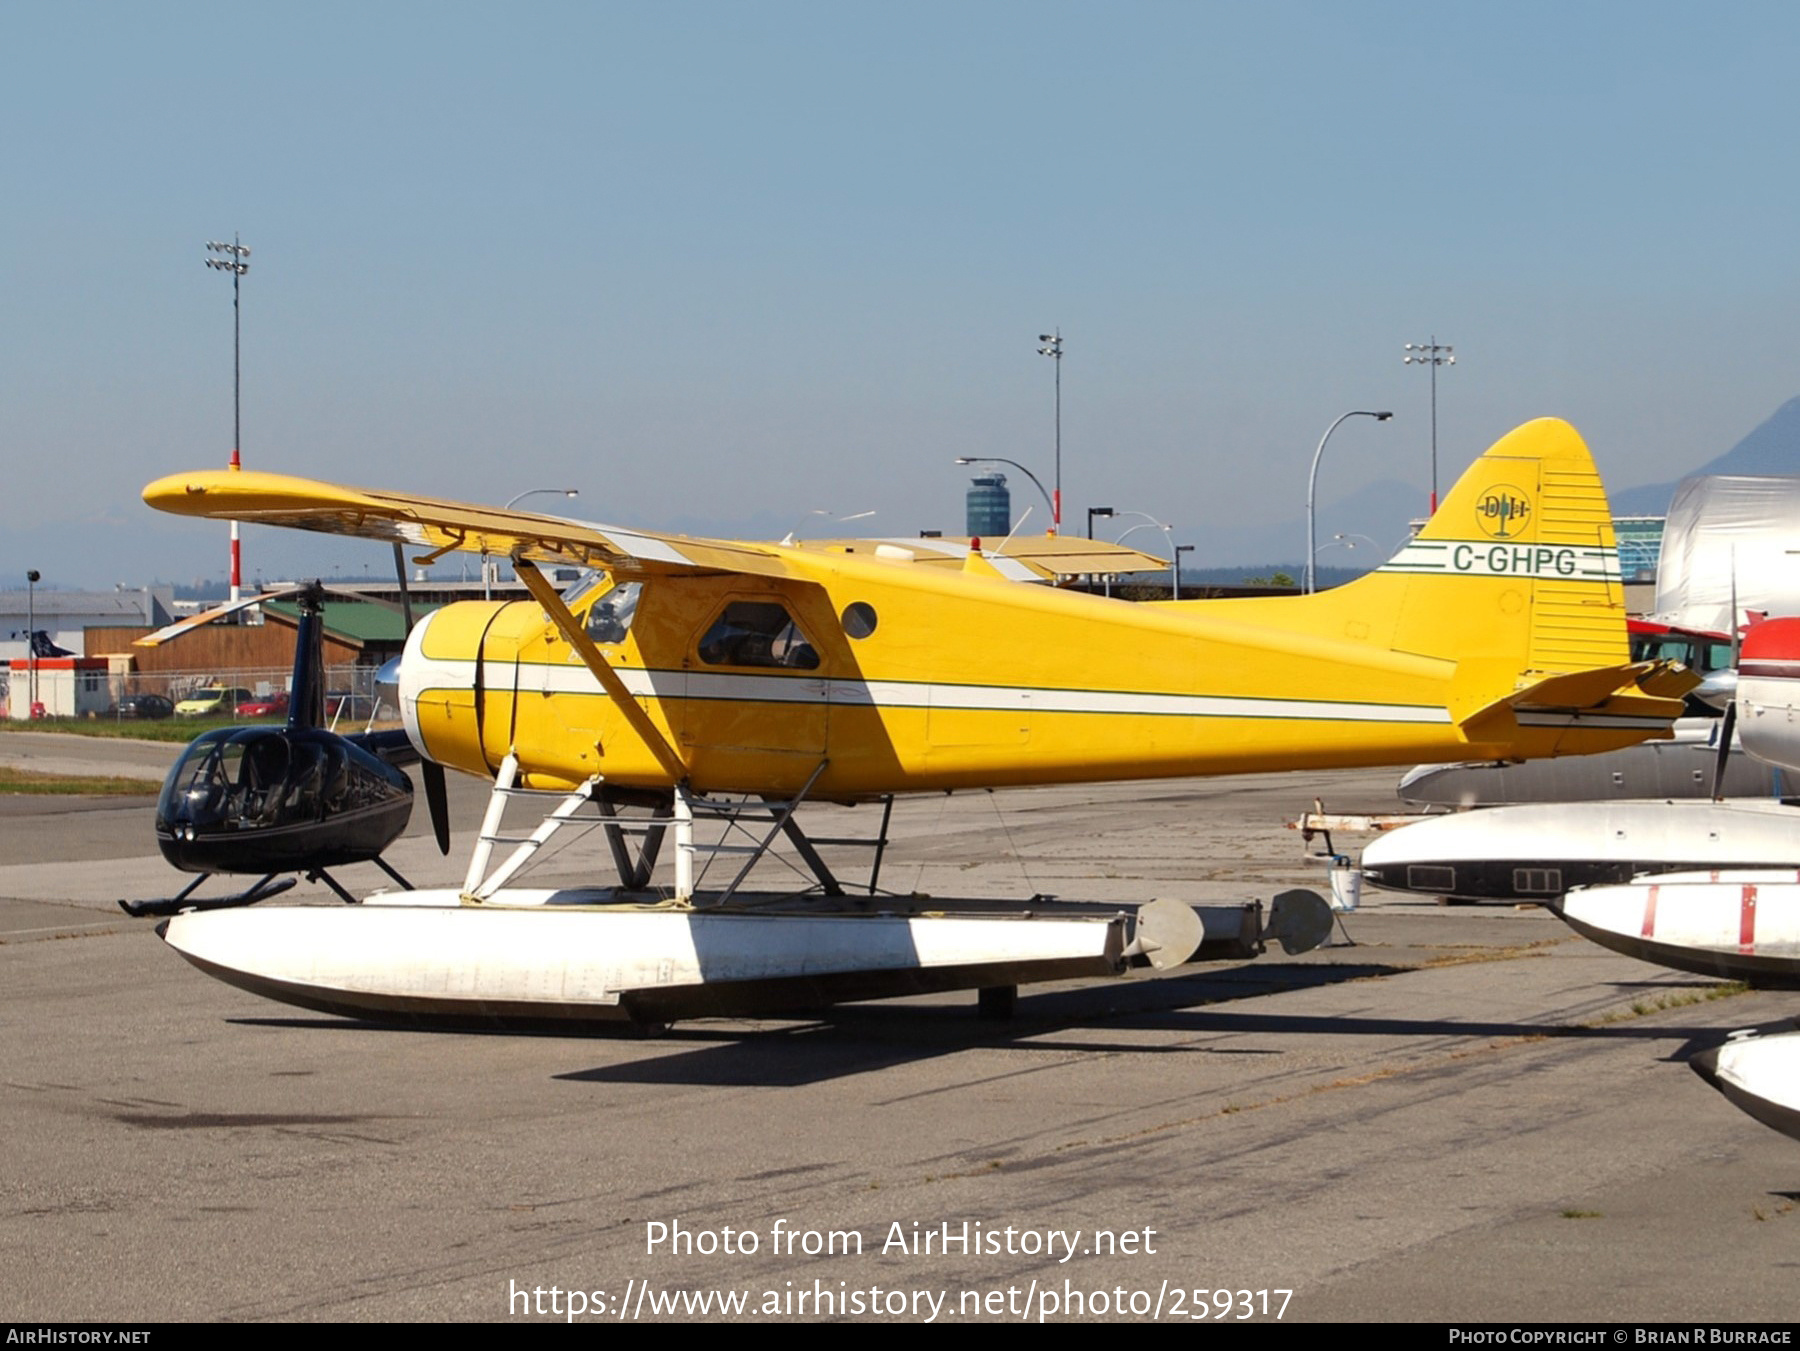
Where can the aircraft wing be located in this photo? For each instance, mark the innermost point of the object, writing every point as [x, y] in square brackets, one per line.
[1028, 558]
[440, 526]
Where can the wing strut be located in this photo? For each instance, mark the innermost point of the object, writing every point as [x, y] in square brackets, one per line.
[546, 595]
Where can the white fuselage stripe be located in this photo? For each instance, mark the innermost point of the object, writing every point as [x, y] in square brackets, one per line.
[802, 689]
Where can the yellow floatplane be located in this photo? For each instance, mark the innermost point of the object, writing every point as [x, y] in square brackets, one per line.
[680, 673]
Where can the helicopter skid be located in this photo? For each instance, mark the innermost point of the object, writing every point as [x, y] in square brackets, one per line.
[565, 958]
[260, 891]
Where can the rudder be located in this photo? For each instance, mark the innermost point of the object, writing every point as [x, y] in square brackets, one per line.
[1519, 565]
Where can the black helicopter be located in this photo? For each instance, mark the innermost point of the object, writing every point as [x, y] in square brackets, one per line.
[267, 800]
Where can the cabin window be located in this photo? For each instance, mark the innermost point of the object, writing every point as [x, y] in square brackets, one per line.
[859, 619]
[757, 633]
[1538, 881]
[1430, 877]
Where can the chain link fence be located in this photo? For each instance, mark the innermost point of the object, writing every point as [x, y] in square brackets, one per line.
[352, 700]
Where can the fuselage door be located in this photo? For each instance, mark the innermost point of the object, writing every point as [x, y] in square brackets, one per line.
[754, 683]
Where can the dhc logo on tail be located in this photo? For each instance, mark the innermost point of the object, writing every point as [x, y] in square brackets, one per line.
[1503, 507]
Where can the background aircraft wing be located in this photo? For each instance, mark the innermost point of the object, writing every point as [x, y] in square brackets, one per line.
[194, 621]
[1071, 555]
[438, 526]
[1030, 558]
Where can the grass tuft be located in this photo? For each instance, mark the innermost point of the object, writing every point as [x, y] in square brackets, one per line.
[16, 781]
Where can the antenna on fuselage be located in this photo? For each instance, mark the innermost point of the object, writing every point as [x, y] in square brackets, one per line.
[1018, 525]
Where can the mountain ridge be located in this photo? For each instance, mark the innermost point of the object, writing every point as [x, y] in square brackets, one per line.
[1772, 447]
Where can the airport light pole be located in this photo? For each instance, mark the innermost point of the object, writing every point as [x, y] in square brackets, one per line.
[1093, 512]
[1052, 348]
[487, 576]
[32, 578]
[995, 459]
[1432, 354]
[1312, 482]
[231, 259]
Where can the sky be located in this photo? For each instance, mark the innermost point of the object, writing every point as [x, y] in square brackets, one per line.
[724, 266]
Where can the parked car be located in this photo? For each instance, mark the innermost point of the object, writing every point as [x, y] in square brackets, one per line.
[147, 706]
[271, 706]
[212, 701]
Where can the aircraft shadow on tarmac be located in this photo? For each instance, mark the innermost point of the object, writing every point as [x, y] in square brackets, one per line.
[1717, 1036]
[862, 1039]
[797, 1049]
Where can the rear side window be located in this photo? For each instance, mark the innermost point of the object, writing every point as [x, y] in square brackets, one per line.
[757, 633]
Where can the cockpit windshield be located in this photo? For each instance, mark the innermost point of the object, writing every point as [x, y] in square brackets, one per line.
[609, 617]
[242, 778]
[590, 581]
[249, 781]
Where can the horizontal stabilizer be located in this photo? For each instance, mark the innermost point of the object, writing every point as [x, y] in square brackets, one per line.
[1647, 692]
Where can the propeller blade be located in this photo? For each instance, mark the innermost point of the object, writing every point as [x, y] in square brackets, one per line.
[1737, 618]
[437, 799]
[405, 595]
[1727, 728]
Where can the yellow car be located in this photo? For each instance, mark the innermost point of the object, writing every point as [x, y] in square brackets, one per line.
[212, 701]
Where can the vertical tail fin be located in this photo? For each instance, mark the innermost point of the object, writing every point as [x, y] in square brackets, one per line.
[1515, 584]
[1519, 564]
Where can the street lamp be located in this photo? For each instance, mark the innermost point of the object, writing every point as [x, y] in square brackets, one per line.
[1312, 548]
[32, 578]
[1052, 348]
[1150, 523]
[487, 576]
[1430, 354]
[1093, 512]
[532, 492]
[995, 459]
[1180, 549]
[788, 540]
[231, 259]
[1147, 518]
[1347, 540]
